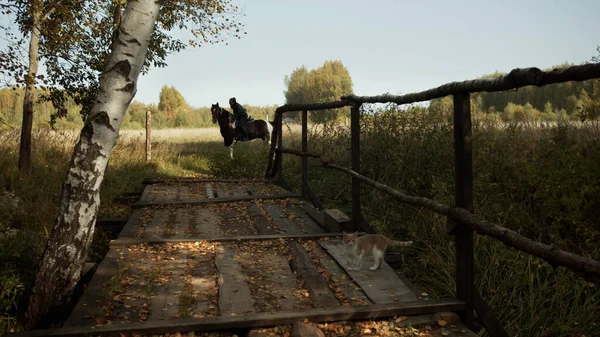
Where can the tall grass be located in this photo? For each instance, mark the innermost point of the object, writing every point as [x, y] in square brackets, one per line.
[540, 180]
[29, 209]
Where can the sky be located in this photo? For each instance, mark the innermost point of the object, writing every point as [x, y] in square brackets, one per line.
[389, 46]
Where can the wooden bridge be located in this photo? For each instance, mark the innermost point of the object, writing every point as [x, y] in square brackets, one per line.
[224, 255]
[210, 255]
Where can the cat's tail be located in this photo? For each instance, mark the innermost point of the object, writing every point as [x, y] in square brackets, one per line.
[399, 243]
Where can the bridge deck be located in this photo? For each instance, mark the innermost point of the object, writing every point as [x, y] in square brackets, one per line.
[217, 255]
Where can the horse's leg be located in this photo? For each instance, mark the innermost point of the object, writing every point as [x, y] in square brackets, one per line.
[231, 151]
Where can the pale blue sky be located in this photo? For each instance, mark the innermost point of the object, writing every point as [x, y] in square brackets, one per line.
[387, 46]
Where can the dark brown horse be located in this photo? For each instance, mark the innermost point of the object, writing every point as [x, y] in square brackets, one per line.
[254, 128]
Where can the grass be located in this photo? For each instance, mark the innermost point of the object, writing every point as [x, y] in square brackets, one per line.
[541, 181]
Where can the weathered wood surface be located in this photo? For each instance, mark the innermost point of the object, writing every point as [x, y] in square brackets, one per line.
[214, 200]
[85, 308]
[340, 313]
[303, 220]
[259, 237]
[281, 220]
[132, 225]
[234, 294]
[343, 283]
[241, 258]
[381, 286]
[316, 283]
[262, 224]
[165, 304]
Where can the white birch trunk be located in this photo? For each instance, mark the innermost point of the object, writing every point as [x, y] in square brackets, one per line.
[73, 231]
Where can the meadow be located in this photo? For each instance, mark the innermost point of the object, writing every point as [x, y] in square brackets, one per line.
[540, 180]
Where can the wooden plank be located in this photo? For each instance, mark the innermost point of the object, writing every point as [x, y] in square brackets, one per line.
[303, 221]
[209, 191]
[236, 222]
[94, 292]
[222, 192]
[338, 276]
[463, 234]
[239, 190]
[166, 192]
[204, 223]
[262, 224]
[355, 154]
[182, 223]
[273, 281]
[382, 285]
[234, 294]
[215, 200]
[282, 221]
[165, 304]
[184, 193]
[133, 224]
[340, 313]
[127, 241]
[203, 281]
[306, 270]
[151, 181]
[154, 228]
[148, 194]
[316, 215]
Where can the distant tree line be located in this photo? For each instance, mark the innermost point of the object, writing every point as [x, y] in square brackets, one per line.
[172, 111]
[570, 100]
[566, 101]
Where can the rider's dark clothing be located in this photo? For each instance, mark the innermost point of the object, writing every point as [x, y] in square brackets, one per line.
[241, 117]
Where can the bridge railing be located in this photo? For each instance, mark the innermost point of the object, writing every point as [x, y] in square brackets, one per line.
[462, 223]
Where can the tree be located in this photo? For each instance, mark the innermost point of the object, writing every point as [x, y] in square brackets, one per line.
[75, 42]
[326, 83]
[72, 234]
[597, 57]
[30, 16]
[171, 103]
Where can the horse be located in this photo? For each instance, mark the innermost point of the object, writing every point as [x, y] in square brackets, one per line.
[255, 129]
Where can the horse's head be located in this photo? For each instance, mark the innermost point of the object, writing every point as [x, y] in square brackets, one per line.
[215, 110]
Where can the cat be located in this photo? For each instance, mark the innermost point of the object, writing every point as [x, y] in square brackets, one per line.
[376, 244]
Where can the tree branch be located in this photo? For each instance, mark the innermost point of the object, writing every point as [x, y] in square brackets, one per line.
[517, 78]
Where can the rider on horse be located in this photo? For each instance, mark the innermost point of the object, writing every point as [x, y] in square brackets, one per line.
[241, 117]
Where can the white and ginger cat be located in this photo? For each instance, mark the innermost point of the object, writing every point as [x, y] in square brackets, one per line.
[356, 247]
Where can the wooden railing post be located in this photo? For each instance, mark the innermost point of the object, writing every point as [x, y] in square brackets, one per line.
[304, 150]
[148, 130]
[355, 148]
[465, 277]
[279, 155]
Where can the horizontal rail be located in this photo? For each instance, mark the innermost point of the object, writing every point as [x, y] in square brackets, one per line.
[298, 153]
[313, 106]
[341, 313]
[589, 267]
[517, 78]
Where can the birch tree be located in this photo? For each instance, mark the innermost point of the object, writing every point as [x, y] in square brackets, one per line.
[72, 233]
